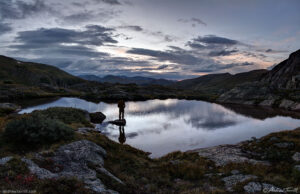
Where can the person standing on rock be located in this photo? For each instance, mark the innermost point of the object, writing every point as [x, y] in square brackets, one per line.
[121, 105]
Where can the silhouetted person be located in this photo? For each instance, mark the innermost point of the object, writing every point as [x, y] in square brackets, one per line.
[122, 137]
[121, 105]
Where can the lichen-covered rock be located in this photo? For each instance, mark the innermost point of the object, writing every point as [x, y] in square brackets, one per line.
[74, 160]
[284, 145]
[268, 188]
[231, 181]
[256, 187]
[39, 172]
[286, 104]
[296, 157]
[253, 187]
[297, 167]
[225, 154]
[4, 160]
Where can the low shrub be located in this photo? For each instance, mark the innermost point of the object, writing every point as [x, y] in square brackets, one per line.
[34, 130]
[62, 185]
[6, 111]
[66, 115]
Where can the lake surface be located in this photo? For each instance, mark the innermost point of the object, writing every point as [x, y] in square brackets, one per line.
[163, 126]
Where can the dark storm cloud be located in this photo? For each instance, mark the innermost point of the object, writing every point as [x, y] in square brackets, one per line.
[180, 57]
[272, 51]
[162, 67]
[10, 9]
[211, 42]
[92, 35]
[212, 39]
[222, 53]
[59, 42]
[4, 28]
[58, 50]
[134, 28]
[110, 2]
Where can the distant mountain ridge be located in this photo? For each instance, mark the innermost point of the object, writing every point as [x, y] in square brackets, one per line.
[139, 80]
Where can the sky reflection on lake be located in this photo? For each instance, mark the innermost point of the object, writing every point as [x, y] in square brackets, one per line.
[163, 126]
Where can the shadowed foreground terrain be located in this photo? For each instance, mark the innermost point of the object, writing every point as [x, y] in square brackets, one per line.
[78, 159]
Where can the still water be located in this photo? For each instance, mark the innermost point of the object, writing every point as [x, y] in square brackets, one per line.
[163, 126]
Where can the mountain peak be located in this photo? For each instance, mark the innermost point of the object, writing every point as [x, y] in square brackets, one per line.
[285, 75]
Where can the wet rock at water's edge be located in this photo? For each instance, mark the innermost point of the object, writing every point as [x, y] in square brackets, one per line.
[118, 122]
[97, 117]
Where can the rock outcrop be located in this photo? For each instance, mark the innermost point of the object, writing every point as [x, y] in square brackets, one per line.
[97, 117]
[279, 87]
[118, 122]
[81, 159]
[225, 154]
[232, 180]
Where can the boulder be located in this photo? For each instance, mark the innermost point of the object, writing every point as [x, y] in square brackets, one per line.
[296, 157]
[97, 117]
[268, 188]
[253, 187]
[81, 159]
[288, 145]
[4, 160]
[225, 154]
[9, 108]
[231, 181]
[297, 167]
[118, 122]
[256, 187]
[41, 173]
[286, 104]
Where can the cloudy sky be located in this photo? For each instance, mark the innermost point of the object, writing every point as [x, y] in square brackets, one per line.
[173, 39]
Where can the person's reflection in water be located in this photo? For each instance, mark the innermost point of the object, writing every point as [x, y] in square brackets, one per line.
[122, 137]
[121, 105]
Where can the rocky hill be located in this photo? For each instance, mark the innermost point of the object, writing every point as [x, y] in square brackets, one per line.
[34, 74]
[278, 88]
[219, 83]
[286, 75]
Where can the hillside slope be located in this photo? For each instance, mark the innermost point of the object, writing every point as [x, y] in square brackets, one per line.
[219, 83]
[34, 74]
[285, 75]
[279, 87]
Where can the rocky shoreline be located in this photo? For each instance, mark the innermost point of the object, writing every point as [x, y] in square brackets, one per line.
[100, 165]
[85, 159]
